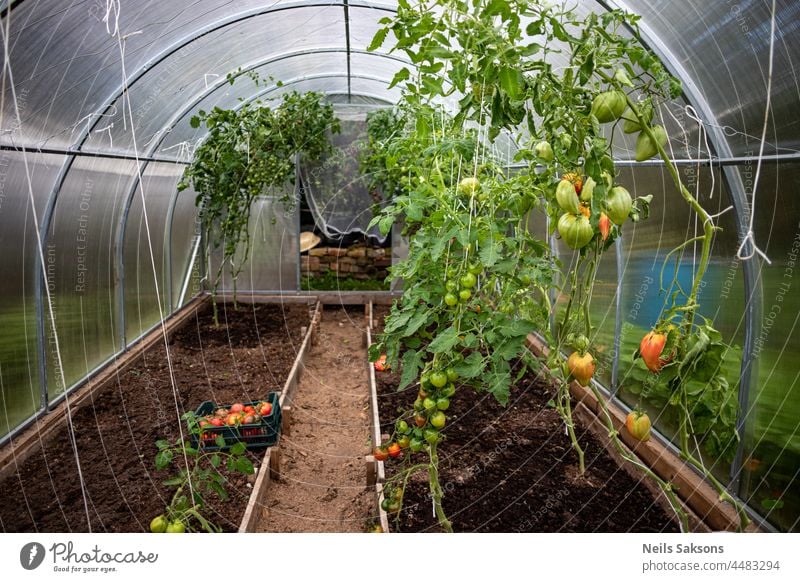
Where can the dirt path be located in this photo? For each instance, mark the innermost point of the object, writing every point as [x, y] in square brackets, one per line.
[323, 475]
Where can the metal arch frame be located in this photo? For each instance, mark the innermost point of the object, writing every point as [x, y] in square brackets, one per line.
[109, 101]
[738, 194]
[147, 155]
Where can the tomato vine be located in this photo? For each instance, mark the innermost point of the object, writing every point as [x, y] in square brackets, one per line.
[476, 281]
[250, 152]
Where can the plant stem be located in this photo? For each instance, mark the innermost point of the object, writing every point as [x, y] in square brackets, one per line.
[436, 490]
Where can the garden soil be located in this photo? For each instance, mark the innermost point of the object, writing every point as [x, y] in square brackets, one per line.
[247, 356]
[512, 469]
[323, 475]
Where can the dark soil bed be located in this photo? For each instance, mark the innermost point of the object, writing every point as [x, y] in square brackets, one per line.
[512, 469]
[247, 356]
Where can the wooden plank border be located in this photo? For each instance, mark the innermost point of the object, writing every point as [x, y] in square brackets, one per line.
[695, 492]
[269, 468]
[21, 446]
[377, 468]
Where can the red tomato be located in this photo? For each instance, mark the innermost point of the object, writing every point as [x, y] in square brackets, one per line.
[265, 409]
[249, 419]
[394, 450]
[217, 422]
[249, 410]
[238, 407]
[381, 365]
[380, 453]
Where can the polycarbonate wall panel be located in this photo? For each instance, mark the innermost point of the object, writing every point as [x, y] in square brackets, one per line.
[228, 96]
[188, 71]
[274, 261]
[771, 469]
[144, 247]
[187, 260]
[20, 392]
[724, 47]
[65, 63]
[82, 242]
[645, 249]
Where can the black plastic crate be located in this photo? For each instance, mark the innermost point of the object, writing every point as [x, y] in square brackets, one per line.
[255, 436]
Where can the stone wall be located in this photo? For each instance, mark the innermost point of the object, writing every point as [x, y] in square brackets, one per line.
[358, 261]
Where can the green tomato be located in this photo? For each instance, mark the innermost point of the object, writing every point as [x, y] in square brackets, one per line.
[159, 524]
[450, 300]
[451, 286]
[464, 294]
[609, 106]
[449, 390]
[439, 379]
[402, 427]
[469, 186]
[418, 405]
[544, 150]
[575, 231]
[416, 445]
[432, 436]
[475, 268]
[452, 375]
[618, 204]
[468, 281]
[443, 403]
[176, 527]
[429, 404]
[438, 419]
[567, 198]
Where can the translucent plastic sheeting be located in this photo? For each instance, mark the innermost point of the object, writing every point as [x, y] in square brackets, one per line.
[141, 304]
[297, 43]
[323, 72]
[82, 240]
[274, 263]
[724, 47]
[187, 260]
[66, 64]
[645, 248]
[20, 392]
[338, 195]
[771, 464]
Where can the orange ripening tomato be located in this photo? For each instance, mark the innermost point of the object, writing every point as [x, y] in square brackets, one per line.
[638, 424]
[585, 210]
[380, 364]
[581, 367]
[605, 225]
[651, 348]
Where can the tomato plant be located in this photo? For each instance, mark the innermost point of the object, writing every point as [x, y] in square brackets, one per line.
[249, 152]
[459, 207]
[198, 476]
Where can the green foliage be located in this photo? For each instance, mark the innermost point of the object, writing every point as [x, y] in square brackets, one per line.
[247, 153]
[200, 477]
[383, 125]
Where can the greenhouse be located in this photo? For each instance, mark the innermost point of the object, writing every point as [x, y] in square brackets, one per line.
[415, 266]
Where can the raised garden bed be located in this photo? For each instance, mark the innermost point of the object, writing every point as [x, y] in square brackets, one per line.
[250, 354]
[512, 469]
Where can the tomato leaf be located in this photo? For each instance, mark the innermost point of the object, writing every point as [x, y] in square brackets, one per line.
[378, 39]
[238, 449]
[471, 367]
[163, 458]
[444, 341]
[245, 466]
[412, 362]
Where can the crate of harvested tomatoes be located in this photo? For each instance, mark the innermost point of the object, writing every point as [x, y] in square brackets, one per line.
[257, 424]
